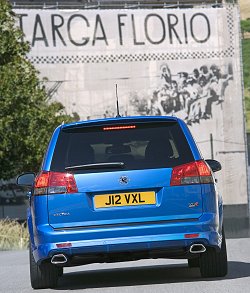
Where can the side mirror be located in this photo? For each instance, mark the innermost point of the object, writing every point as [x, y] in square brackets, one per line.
[26, 179]
[214, 165]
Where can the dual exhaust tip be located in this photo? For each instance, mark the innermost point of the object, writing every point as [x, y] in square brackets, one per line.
[58, 259]
[197, 248]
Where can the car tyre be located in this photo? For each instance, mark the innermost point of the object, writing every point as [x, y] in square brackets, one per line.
[214, 263]
[44, 275]
[194, 262]
[60, 271]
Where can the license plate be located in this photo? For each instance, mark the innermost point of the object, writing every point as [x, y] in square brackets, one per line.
[124, 199]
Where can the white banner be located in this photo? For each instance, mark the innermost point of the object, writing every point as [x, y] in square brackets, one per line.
[124, 31]
[183, 62]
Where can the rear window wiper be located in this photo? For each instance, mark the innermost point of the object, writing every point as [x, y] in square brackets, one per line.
[96, 166]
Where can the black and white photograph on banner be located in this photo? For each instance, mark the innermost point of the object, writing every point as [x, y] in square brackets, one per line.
[190, 94]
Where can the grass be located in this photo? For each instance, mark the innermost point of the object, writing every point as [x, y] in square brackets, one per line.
[246, 74]
[246, 62]
[13, 235]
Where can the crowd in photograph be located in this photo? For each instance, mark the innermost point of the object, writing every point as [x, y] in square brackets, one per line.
[193, 93]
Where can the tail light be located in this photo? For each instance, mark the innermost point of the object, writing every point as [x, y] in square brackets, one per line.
[192, 173]
[54, 182]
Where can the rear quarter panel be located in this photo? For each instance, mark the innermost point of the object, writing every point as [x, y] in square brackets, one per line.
[196, 153]
[50, 150]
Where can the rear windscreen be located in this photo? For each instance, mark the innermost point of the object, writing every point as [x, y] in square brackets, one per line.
[138, 146]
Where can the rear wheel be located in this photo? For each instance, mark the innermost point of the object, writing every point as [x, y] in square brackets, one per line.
[194, 262]
[60, 271]
[44, 275]
[213, 263]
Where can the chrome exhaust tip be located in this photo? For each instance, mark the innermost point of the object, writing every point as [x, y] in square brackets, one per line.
[58, 259]
[197, 248]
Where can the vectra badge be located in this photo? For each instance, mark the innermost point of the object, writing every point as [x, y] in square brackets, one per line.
[61, 214]
[124, 180]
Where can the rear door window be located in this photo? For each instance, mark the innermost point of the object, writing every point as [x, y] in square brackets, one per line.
[138, 146]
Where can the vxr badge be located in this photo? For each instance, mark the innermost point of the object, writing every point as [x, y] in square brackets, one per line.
[193, 204]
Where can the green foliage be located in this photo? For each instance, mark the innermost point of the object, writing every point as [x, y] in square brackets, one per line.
[246, 62]
[27, 117]
[245, 26]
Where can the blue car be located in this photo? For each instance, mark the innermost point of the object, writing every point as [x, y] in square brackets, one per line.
[122, 189]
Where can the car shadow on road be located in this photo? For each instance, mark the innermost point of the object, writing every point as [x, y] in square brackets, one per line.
[145, 275]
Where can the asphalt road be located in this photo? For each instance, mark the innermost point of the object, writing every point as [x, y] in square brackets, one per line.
[141, 276]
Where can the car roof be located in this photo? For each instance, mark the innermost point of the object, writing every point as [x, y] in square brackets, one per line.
[118, 120]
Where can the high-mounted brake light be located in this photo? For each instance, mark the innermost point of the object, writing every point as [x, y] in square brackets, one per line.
[119, 127]
[192, 173]
[54, 182]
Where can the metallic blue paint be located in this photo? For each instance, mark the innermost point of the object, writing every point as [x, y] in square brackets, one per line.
[190, 140]
[127, 238]
[51, 147]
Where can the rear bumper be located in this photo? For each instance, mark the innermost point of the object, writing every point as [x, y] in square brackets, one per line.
[159, 237]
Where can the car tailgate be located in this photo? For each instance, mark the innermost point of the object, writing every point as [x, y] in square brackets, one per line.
[80, 209]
